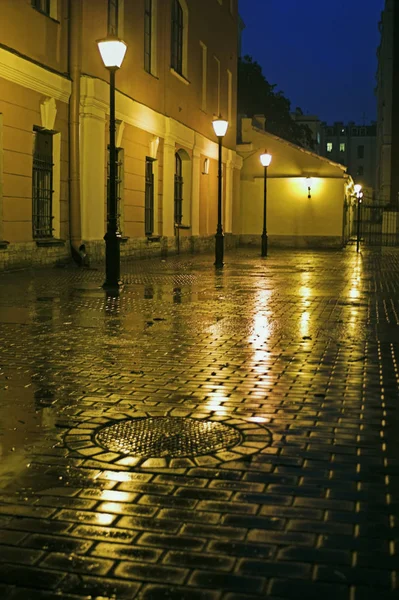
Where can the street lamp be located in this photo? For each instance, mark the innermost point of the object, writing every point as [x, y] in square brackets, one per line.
[112, 52]
[265, 159]
[359, 196]
[220, 128]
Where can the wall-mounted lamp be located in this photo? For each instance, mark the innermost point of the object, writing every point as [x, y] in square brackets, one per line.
[309, 182]
[206, 167]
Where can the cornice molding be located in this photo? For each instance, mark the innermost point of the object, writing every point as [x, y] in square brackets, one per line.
[29, 75]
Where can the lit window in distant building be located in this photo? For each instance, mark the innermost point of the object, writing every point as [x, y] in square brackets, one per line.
[342, 147]
[318, 137]
[360, 170]
[329, 146]
[360, 151]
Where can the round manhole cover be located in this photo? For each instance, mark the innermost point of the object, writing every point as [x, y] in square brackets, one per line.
[167, 437]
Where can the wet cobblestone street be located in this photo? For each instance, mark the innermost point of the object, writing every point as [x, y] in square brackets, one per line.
[205, 435]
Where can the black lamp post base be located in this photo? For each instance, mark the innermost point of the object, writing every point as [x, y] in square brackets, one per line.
[264, 244]
[219, 250]
[112, 261]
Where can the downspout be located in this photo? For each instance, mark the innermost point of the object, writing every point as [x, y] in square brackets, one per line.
[75, 68]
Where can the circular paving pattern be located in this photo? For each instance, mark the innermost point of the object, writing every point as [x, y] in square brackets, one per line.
[151, 440]
[167, 436]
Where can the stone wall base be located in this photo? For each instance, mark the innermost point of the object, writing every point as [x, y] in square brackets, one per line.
[294, 241]
[30, 254]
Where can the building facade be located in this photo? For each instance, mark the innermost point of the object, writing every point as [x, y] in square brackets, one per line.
[178, 74]
[355, 147]
[310, 199]
[387, 97]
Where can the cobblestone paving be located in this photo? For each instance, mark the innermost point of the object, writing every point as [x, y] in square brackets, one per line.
[298, 354]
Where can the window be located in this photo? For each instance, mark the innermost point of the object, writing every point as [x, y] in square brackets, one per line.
[178, 189]
[149, 196]
[147, 35]
[204, 75]
[360, 151]
[360, 170]
[43, 5]
[42, 185]
[354, 131]
[119, 188]
[113, 10]
[318, 137]
[342, 147]
[229, 95]
[329, 146]
[217, 61]
[177, 37]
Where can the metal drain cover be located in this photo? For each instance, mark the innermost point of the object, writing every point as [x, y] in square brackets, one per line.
[167, 437]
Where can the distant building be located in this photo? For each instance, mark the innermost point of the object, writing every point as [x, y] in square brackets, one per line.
[388, 96]
[314, 124]
[355, 147]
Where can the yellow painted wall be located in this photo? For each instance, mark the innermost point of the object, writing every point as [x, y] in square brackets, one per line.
[21, 112]
[209, 22]
[289, 210]
[34, 34]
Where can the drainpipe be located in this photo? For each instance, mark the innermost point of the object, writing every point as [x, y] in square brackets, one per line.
[75, 68]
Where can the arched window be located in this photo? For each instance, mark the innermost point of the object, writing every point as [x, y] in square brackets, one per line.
[178, 189]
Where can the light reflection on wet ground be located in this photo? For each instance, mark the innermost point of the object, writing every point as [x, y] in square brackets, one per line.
[305, 343]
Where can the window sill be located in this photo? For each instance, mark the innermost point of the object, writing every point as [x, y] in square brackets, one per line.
[46, 15]
[179, 76]
[123, 239]
[3, 244]
[153, 238]
[151, 75]
[49, 242]
[181, 226]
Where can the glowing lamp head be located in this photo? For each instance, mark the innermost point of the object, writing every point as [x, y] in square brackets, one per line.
[265, 159]
[358, 189]
[220, 126]
[112, 52]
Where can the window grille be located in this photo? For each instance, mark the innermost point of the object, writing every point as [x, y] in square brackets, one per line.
[119, 187]
[147, 35]
[177, 37]
[42, 185]
[178, 189]
[149, 196]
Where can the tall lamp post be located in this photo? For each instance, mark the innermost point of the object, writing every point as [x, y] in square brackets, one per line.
[112, 52]
[359, 196]
[265, 159]
[220, 128]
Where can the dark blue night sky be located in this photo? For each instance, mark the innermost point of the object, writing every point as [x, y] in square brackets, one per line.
[320, 53]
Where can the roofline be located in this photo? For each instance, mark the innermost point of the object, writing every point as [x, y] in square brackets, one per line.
[296, 147]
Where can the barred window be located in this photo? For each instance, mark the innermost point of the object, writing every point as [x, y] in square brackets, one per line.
[42, 5]
[177, 37]
[42, 185]
[119, 187]
[178, 189]
[149, 196]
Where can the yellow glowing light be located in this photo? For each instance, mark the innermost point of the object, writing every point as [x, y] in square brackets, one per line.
[104, 518]
[259, 420]
[304, 323]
